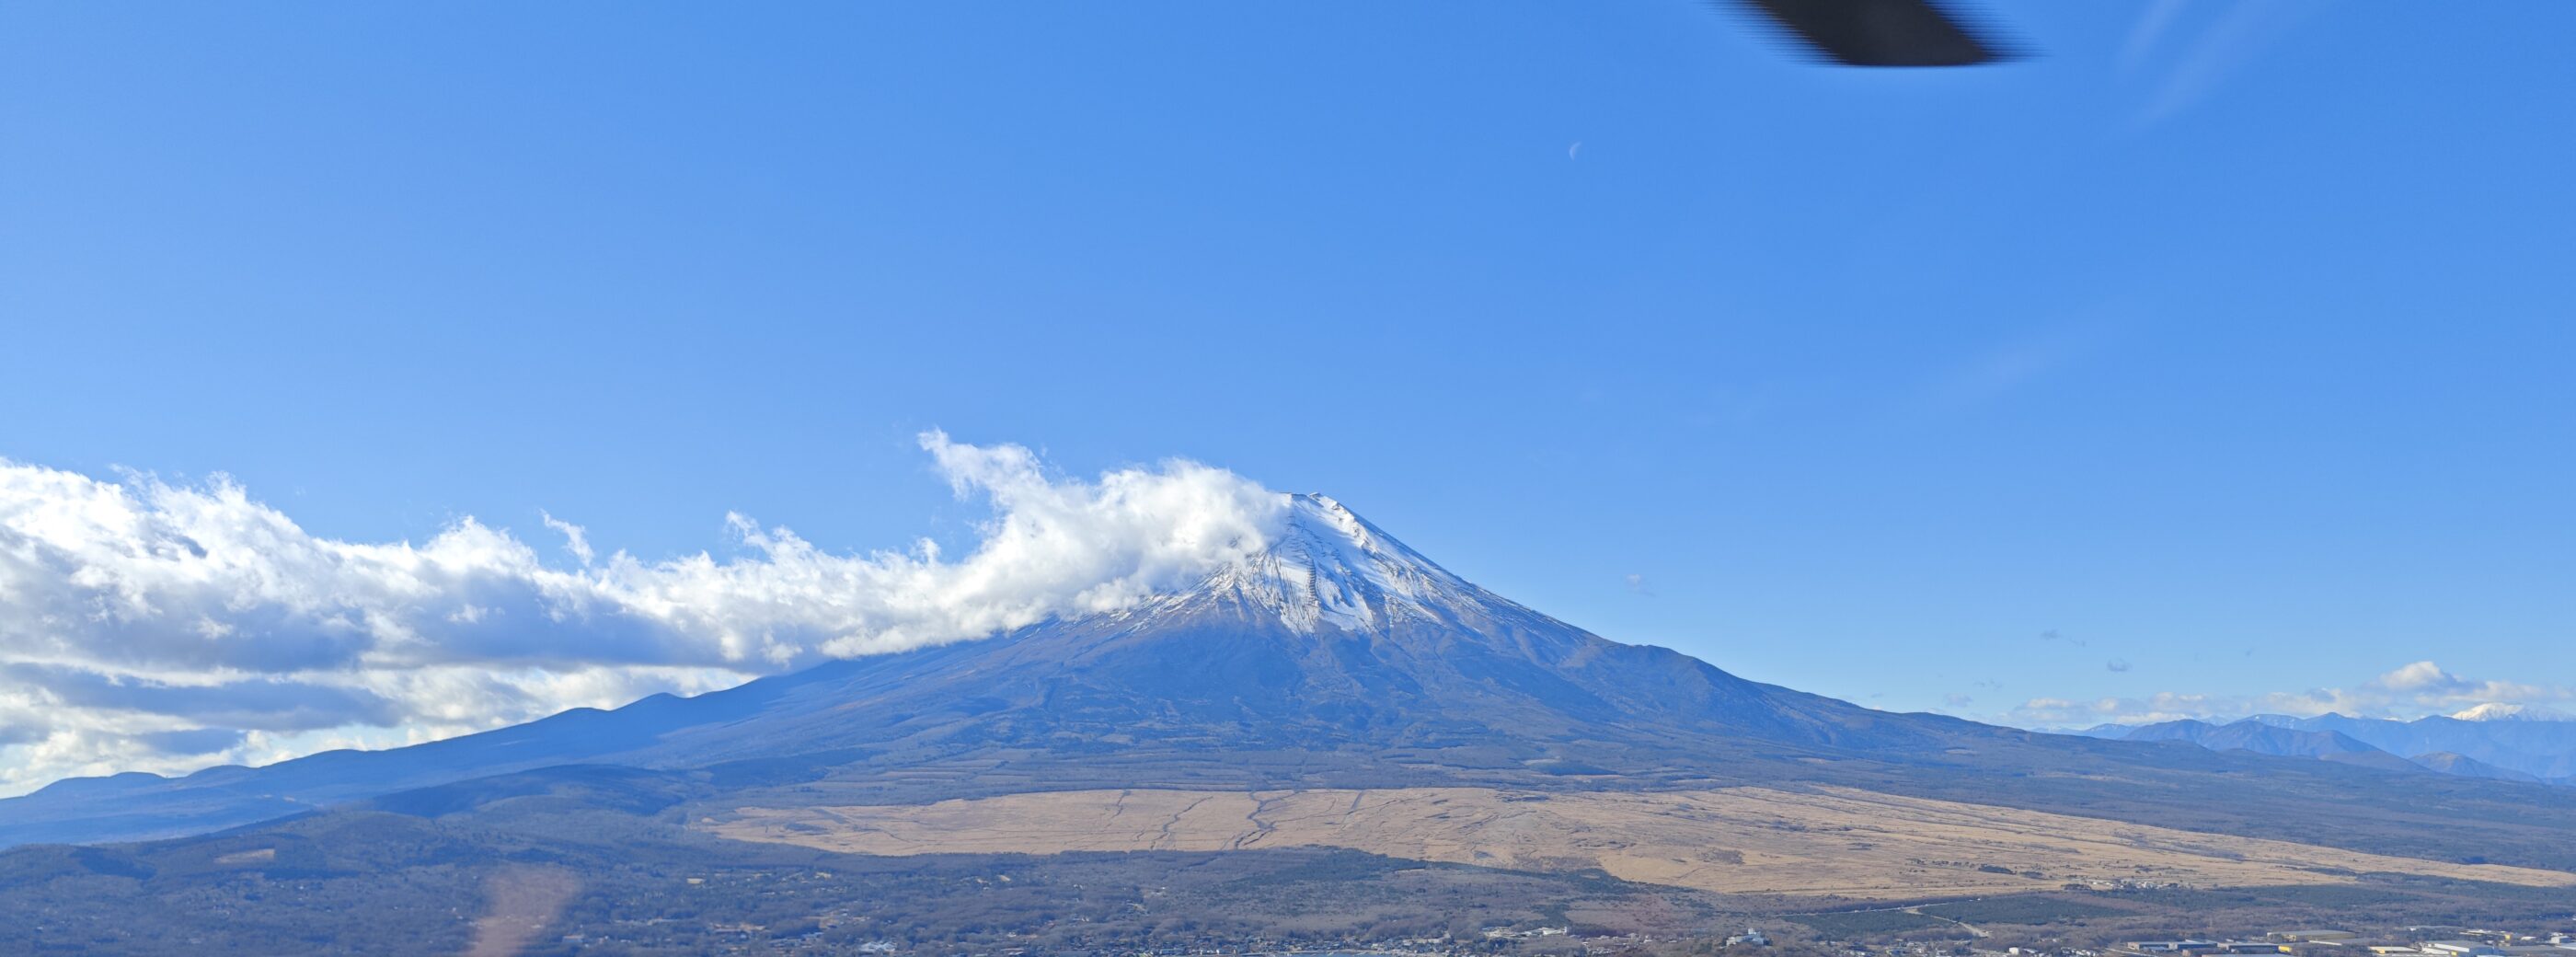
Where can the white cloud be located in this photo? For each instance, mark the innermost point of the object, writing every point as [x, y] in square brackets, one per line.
[2407, 692]
[2420, 676]
[140, 619]
[576, 539]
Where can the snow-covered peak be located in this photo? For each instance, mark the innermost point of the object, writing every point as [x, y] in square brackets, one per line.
[2499, 711]
[1331, 568]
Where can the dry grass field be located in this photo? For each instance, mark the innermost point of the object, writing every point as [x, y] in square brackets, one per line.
[1731, 840]
[519, 904]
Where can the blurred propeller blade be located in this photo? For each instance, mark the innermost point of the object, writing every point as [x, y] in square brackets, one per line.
[1883, 32]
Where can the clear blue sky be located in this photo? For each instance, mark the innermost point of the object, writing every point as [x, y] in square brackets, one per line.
[2234, 343]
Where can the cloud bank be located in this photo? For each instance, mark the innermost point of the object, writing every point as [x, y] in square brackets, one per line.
[2407, 692]
[162, 627]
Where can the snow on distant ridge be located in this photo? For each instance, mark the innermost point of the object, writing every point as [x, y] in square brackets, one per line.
[2500, 711]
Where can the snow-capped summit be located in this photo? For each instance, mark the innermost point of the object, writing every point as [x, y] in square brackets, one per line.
[1330, 568]
[2500, 711]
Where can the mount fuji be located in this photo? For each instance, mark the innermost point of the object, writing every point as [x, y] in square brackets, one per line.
[1336, 660]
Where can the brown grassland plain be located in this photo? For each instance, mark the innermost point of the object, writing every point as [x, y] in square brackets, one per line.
[1738, 840]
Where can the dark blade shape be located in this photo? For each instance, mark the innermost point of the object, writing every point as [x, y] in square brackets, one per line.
[1882, 32]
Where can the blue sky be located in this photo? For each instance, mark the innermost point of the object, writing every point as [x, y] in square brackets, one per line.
[2228, 343]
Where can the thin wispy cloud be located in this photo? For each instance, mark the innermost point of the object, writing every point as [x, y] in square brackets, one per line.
[2016, 364]
[2216, 49]
[142, 622]
[576, 539]
[2153, 24]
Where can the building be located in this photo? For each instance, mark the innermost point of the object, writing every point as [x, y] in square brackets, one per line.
[2201, 948]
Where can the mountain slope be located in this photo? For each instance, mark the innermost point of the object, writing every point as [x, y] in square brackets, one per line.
[1338, 642]
[2449, 763]
[1337, 658]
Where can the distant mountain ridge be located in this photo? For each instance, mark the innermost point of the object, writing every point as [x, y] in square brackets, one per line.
[2278, 741]
[2533, 745]
[2494, 742]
